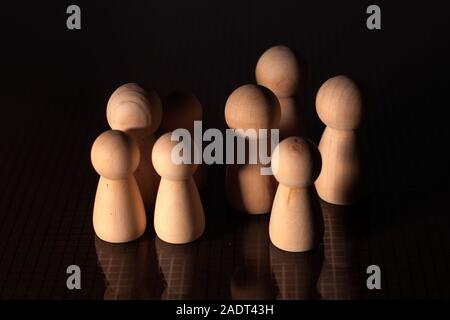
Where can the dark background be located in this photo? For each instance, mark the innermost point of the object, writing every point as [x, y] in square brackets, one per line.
[56, 82]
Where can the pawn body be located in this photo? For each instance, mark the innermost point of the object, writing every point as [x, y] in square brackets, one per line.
[292, 120]
[119, 213]
[295, 221]
[251, 107]
[248, 190]
[179, 216]
[138, 112]
[340, 181]
[339, 106]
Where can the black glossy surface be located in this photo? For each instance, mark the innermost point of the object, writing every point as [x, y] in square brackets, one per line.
[54, 92]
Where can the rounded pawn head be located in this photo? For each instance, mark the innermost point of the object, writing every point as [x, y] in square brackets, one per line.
[339, 103]
[180, 110]
[167, 158]
[296, 162]
[114, 155]
[279, 70]
[252, 106]
[133, 109]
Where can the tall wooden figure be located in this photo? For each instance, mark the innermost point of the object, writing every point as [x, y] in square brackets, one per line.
[119, 214]
[279, 70]
[179, 216]
[138, 112]
[339, 106]
[296, 219]
[251, 107]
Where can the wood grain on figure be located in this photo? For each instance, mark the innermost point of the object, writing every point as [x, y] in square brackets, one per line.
[179, 216]
[138, 112]
[295, 221]
[180, 110]
[119, 214]
[279, 70]
[339, 106]
[251, 107]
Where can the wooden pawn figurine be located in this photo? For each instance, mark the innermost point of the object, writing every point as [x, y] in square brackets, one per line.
[138, 112]
[339, 106]
[180, 110]
[119, 214]
[279, 70]
[251, 107]
[179, 216]
[296, 219]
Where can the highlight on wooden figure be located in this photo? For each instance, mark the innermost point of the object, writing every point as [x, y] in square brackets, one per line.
[179, 216]
[138, 112]
[279, 70]
[119, 214]
[296, 219]
[339, 106]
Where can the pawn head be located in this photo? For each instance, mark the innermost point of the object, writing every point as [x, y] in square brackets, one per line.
[252, 106]
[133, 109]
[339, 103]
[180, 110]
[114, 155]
[296, 162]
[279, 70]
[163, 157]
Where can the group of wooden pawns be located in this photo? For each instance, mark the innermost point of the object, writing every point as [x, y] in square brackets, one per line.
[137, 172]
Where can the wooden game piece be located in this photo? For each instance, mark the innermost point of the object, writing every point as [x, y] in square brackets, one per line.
[138, 112]
[279, 70]
[179, 216]
[295, 219]
[180, 110]
[339, 106]
[119, 214]
[251, 107]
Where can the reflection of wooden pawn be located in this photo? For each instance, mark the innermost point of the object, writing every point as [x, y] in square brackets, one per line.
[180, 110]
[295, 273]
[295, 221]
[339, 106]
[138, 112]
[252, 277]
[179, 216]
[340, 277]
[279, 70]
[178, 267]
[130, 269]
[119, 214]
[251, 107]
